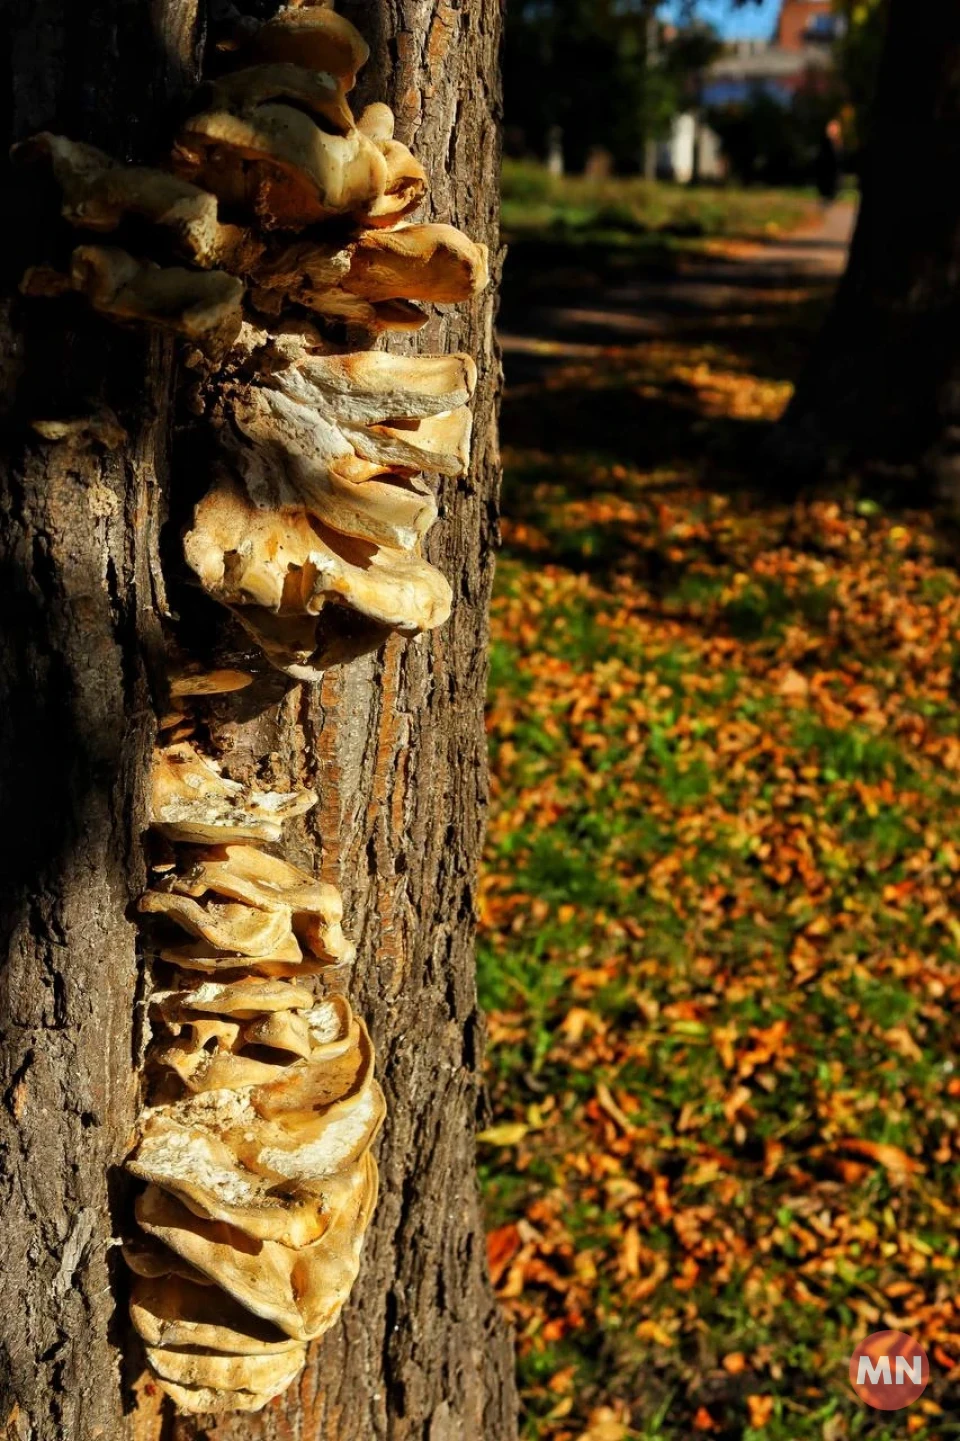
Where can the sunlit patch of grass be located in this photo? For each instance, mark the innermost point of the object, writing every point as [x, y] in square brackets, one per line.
[626, 211]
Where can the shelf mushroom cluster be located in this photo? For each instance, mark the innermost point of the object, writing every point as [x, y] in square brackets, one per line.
[255, 1147]
[291, 216]
[276, 247]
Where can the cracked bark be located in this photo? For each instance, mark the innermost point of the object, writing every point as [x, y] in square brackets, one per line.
[394, 742]
[76, 632]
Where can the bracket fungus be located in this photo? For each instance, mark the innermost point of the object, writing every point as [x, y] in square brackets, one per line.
[100, 194]
[315, 36]
[280, 570]
[199, 305]
[277, 242]
[321, 452]
[255, 1148]
[192, 801]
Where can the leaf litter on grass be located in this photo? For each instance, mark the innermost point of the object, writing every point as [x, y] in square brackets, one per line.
[720, 939]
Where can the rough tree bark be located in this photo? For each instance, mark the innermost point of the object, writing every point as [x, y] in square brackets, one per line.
[883, 382]
[394, 743]
[76, 537]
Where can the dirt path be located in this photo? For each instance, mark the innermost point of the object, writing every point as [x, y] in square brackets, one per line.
[594, 303]
[820, 248]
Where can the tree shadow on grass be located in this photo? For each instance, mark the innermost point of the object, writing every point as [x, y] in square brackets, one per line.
[600, 435]
[595, 414]
[647, 380]
[617, 426]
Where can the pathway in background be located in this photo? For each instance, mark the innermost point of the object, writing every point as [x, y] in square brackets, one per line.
[821, 247]
[724, 278]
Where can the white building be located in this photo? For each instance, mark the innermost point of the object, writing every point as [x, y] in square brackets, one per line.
[691, 152]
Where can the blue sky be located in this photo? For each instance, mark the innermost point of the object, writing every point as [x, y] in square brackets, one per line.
[738, 22]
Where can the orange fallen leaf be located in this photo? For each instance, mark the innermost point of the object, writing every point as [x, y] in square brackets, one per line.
[562, 1381]
[734, 1363]
[735, 1102]
[640, 1290]
[772, 1156]
[793, 685]
[891, 1158]
[688, 1276]
[653, 1331]
[575, 1023]
[607, 1104]
[850, 1172]
[760, 1409]
[604, 1425]
[764, 1045]
[630, 1252]
[943, 1358]
[502, 1245]
[723, 1038]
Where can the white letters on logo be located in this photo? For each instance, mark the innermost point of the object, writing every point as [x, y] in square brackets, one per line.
[913, 1369]
[867, 1371]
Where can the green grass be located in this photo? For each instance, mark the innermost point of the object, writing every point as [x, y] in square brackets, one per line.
[631, 211]
[719, 918]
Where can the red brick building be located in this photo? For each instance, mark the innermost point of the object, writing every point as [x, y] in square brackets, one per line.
[804, 22]
[797, 57]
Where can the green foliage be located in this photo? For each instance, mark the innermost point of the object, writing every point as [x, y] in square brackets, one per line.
[771, 143]
[630, 211]
[605, 73]
[598, 70]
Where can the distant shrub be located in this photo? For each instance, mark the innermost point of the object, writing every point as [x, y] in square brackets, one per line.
[526, 182]
[619, 215]
[686, 226]
[536, 202]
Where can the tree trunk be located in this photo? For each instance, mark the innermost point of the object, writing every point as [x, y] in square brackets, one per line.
[883, 383]
[394, 743]
[77, 530]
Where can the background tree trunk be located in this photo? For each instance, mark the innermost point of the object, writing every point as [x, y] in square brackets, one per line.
[883, 382]
[394, 743]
